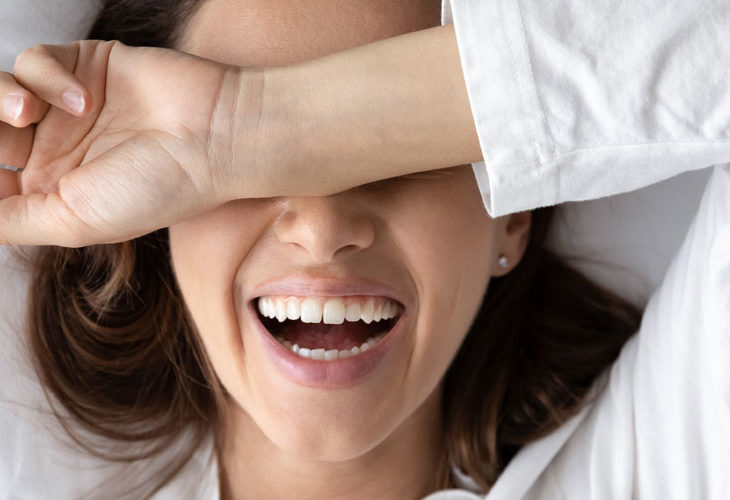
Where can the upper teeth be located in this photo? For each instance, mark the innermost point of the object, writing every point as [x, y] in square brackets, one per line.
[333, 310]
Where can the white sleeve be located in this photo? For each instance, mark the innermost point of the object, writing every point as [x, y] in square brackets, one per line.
[576, 100]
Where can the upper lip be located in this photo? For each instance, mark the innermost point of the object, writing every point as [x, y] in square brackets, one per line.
[325, 287]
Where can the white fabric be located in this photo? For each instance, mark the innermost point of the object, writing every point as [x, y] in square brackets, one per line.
[572, 100]
[578, 100]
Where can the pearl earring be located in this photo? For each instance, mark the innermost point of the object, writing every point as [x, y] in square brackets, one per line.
[502, 261]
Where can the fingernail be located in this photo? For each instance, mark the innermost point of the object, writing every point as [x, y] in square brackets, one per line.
[74, 100]
[13, 106]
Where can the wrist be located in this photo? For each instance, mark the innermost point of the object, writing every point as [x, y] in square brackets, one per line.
[233, 152]
[256, 133]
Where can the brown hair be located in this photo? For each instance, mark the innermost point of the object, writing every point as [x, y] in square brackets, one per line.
[114, 343]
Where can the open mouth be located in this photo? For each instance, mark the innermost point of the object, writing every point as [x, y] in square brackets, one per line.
[328, 328]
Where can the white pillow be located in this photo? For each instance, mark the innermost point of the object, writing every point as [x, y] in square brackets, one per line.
[631, 236]
[28, 22]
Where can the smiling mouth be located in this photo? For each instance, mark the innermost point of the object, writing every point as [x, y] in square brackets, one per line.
[328, 328]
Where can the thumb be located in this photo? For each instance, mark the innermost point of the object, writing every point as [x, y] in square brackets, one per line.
[89, 205]
[126, 192]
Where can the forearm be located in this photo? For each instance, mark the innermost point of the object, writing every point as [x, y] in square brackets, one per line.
[389, 108]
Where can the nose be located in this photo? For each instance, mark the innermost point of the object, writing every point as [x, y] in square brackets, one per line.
[324, 227]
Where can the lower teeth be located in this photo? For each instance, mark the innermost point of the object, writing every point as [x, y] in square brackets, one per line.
[333, 354]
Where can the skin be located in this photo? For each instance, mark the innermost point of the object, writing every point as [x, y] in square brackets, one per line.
[427, 235]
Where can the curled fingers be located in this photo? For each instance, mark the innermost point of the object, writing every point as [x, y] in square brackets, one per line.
[48, 72]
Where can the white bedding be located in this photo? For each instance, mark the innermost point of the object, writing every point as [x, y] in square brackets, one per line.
[639, 231]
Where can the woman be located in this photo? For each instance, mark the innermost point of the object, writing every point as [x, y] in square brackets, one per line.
[389, 230]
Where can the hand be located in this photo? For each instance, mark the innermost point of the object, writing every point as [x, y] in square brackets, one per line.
[115, 142]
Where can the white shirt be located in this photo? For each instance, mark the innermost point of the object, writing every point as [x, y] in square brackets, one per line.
[574, 100]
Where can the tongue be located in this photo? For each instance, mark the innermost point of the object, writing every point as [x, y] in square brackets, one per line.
[320, 335]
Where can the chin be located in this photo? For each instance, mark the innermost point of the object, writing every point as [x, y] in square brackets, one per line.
[335, 445]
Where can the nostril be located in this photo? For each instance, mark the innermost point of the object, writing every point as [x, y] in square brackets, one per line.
[346, 249]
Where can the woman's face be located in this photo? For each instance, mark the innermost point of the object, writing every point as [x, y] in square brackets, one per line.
[424, 241]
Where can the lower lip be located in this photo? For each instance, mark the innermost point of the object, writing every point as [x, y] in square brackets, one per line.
[335, 374]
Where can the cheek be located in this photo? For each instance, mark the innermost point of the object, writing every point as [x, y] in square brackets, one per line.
[448, 247]
[448, 235]
[206, 253]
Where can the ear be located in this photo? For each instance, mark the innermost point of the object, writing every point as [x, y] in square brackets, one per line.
[510, 241]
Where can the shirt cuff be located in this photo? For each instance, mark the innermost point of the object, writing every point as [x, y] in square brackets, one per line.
[517, 148]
